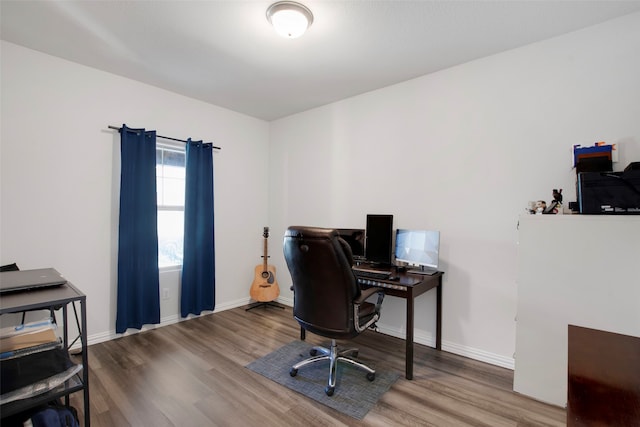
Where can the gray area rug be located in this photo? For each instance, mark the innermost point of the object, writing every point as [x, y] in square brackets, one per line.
[354, 394]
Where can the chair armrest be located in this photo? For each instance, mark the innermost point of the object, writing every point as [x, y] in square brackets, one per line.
[366, 293]
[375, 315]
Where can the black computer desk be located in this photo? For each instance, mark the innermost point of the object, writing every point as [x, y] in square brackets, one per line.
[409, 286]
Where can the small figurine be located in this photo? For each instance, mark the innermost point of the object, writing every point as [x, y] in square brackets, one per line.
[541, 205]
[557, 195]
[556, 205]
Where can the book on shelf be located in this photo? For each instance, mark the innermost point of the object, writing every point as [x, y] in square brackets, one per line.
[27, 339]
[23, 328]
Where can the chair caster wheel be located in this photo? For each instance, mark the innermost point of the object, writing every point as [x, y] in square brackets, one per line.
[329, 391]
[371, 377]
[313, 352]
[293, 372]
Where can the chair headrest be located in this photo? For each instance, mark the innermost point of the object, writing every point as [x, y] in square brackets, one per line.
[299, 231]
[318, 233]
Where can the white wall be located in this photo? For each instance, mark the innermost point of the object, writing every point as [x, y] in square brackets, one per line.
[60, 177]
[462, 151]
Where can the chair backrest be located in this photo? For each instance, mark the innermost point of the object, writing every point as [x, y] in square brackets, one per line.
[324, 285]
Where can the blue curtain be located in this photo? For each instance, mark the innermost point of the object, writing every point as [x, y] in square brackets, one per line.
[138, 275]
[198, 264]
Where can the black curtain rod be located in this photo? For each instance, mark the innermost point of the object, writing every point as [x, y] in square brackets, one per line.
[163, 137]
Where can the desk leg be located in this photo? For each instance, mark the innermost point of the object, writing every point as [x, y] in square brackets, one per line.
[85, 360]
[439, 316]
[409, 339]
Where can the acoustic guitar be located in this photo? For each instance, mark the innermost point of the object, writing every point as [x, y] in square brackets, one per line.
[265, 287]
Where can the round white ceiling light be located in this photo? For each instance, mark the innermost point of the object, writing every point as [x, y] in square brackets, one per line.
[289, 19]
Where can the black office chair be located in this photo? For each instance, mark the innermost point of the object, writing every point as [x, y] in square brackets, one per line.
[327, 300]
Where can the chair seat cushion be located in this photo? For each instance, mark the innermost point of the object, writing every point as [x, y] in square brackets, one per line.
[367, 311]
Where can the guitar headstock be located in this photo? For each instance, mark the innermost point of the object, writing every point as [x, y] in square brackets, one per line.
[265, 233]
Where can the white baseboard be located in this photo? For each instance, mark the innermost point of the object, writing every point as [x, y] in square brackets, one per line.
[164, 321]
[480, 355]
[419, 336]
[428, 339]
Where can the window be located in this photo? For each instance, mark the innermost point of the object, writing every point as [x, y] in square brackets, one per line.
[170, 180]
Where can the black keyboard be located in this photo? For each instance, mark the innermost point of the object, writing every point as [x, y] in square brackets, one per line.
[371, 274]
[366, 283]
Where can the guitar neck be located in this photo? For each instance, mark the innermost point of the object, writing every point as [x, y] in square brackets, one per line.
[264, 258]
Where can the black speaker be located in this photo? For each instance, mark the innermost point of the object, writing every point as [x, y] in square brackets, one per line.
[633, 166]
[609, 192]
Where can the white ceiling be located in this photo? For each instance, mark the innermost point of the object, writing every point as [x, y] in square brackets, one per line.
[226, 53]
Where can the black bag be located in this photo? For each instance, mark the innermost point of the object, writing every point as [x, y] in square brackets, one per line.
[56, 416]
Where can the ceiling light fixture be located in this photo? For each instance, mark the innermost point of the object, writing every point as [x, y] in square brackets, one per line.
[290, 19]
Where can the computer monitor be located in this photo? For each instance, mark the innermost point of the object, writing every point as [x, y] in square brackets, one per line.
[379, 243]
[355, 238]
[418, 248]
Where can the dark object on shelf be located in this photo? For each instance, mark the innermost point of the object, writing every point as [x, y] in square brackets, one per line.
[633, 166]
[609, 192]
[593, 159]
[27, 376]
[9, 267]
[594, 164]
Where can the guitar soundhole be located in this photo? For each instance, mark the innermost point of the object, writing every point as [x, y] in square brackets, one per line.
[269, 276]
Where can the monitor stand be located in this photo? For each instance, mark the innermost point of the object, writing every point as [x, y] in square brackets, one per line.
[427, 271]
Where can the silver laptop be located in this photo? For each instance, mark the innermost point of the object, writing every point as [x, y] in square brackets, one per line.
[22, 280]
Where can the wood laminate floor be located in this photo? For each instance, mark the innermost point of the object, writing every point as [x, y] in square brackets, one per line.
[193, 373]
